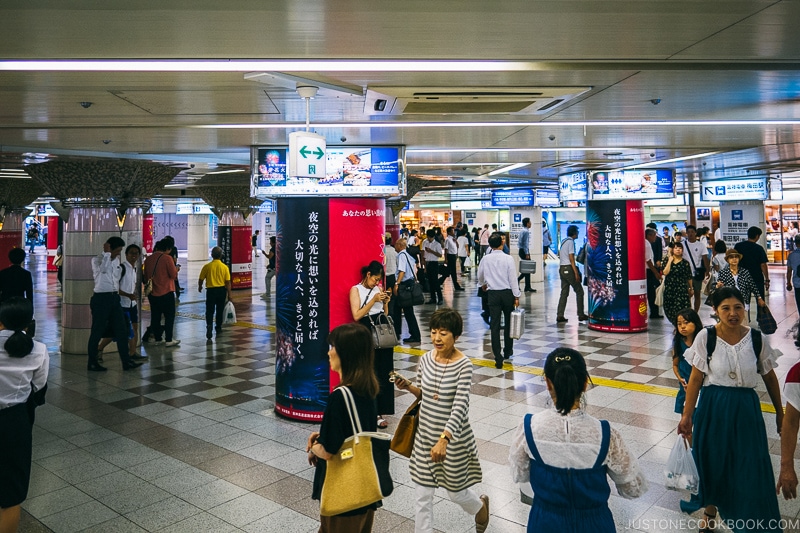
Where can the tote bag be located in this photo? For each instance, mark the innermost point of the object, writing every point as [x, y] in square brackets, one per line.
[406, 432]
[358, 474]
[660, 294]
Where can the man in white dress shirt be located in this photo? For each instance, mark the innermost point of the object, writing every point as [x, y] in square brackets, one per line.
[450, 259]
[432, 251]
[106, 307]
[497, 274]
[570, 276]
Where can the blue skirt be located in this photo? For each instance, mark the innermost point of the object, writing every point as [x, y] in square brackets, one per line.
[685, 370]
[732, 457]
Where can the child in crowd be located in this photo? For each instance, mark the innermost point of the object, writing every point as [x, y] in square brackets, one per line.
[688, 324]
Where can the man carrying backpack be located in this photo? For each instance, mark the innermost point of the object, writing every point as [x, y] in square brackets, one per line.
[793, 277]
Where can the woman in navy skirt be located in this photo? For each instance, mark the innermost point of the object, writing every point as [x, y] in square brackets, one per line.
[729, 439]
[23, 380]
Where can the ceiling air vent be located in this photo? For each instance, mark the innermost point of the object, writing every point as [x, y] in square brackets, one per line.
[467, 100]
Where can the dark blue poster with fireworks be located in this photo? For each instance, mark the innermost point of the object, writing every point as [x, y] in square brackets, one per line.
[302, 311]
[615, 265]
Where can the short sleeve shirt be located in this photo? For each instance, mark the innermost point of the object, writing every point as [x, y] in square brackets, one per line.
[567, 247]
[791, 391]
[793, 261]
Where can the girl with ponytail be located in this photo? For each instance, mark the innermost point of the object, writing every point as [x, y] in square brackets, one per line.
[23, 381]
[566, 455]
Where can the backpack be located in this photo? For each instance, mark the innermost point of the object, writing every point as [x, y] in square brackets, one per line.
[711, 343]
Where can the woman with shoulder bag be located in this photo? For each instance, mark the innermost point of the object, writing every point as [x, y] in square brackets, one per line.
[678, 288]
[350, 356]
[739, 279]
[368, 300]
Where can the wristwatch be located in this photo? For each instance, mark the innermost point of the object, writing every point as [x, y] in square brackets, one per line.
[444, 436]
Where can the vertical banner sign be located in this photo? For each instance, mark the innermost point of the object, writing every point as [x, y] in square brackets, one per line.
[303, 263]
[615, 266]
[8, 239]
[148, 233]
[53, 236]
[226, 243]
[241, 258]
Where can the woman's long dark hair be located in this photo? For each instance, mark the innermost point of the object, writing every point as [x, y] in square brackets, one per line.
[353, 344]
[374, 268]
[689, 315]
[16, 314]
[566, 370]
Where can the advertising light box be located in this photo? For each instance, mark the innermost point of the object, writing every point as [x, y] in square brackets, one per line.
[647, 184]
[350, 171]
[728, 190]
[546, 198]
[515, 198]
[573, 187]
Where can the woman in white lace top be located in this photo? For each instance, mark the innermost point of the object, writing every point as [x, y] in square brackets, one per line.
[566, 454]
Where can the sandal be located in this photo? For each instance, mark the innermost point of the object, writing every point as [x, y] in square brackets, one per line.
[382, 423]
[709, 519]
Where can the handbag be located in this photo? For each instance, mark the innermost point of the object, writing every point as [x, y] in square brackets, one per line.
[409, 293]
[468, 262]
[660, 294]
[58, 260]
[383, 334]
[148, 285]
[358, 474]
[229, 313]
[766, 322]
[406, 432]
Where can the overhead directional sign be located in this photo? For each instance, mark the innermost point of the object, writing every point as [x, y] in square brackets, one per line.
[727, 190]
[306, 155]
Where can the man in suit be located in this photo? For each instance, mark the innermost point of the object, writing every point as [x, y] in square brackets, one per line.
[15, 280]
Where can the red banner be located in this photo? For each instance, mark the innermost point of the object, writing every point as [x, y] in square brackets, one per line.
[637, 277]
[148, 233]
[241, 257]
[8, 239]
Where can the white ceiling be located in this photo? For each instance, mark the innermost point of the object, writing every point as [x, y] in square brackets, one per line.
[712, 60]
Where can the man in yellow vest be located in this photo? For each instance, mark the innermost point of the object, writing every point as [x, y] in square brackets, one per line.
[217, 276]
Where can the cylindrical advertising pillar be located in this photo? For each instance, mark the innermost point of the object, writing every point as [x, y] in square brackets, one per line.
[11, 234]
[317, 265]
[55, 228]
[615, 265]
[237, 253]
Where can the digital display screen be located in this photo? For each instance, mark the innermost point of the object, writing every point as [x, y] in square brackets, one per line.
[631, 184]
[546, 198]
[350, 171]
[515, 198]
[573, 187]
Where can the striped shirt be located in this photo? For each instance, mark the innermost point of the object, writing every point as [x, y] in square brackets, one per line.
[452, 382]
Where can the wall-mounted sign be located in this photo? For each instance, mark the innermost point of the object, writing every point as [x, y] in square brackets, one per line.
[462, 205]
[546, 198]
[202, 209]
[306, 155]
[775, 189]
[727, 190]
[184, 209]
[513, 198]
[631, 184]
[156, 206]
[573, 187]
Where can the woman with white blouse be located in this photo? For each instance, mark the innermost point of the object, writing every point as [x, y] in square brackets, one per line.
[566, 454]
[729, 437]
[23, 380]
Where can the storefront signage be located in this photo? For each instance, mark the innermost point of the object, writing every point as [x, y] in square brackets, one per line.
[727, 190]
[514, 198]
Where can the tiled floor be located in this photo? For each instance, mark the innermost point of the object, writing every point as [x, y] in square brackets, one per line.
[191, 443]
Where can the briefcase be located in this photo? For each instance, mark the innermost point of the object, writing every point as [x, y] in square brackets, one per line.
[527, 266]
[517, 326]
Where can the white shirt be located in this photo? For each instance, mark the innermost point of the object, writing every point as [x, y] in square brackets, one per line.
[463, 242]
[106, 273]
[18, 373]
[567, 247]
[412, 240]
[573, 441]
[450, 245]
[365, 294]
[391, 260]
[498, 271]
[434, 246]
[696, 254]
[726, 358]
[648, 253]
[128, 283]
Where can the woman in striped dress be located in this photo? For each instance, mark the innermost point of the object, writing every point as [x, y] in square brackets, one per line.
[445, 452]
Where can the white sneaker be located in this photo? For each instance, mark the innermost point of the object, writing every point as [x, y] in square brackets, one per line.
[173, 342]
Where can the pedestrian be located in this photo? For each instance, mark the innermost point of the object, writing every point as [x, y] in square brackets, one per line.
[570, 276]
[351, 357]
[678, 287]
[483, 240]
[106, 307]
[754, 260]
[254, 242]
[15, 280]
[271, 264]
[406, 277]
[737, 277]
[217, 277]
[547, 240]
[464, 249]
[33, 237]
[787, 480]
[445, 452]
[24, 366]
[653, 274]
[432, 251]
[696, 252]
[450, 260]
[729, 438]
[173, 252]
[390, 267]
[129, 284]
[524, 244]
[58, 261]
[161, 269]
[688, 326]
[368, 301]
[793, 278]
[566, 455]
[497, 275]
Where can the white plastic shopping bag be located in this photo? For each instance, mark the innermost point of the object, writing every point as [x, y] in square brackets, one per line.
[681, 472]
[229, 313]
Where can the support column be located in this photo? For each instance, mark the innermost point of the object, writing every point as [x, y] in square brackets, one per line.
[89, 227]
[197, 237]
[12, 234]
[234, 239]
[316, 269]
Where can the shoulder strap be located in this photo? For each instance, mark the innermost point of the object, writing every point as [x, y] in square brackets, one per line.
[758, 341]
[689, 251]
[529, 438]
[606, 431]
[123, 271]
[711, 342]
[352, 412]
[367, 298]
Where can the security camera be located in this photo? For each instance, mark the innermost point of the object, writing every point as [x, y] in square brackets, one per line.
[86, 105]
[343, 138]
[106, 141]
[704, 163]
[552, 137]
[655, 101]
[191, 165]
[652, 154]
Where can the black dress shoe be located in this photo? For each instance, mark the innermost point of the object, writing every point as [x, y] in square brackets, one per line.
[131, 366]
[583, 318]
[412, 339]
[498, 364]
[96, 367]
[485, 317]
[460, 289]
[530, 290]
[561, 319]
[138, 358]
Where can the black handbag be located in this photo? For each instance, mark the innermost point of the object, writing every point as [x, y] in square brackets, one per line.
[766, 321]
[409, 293]
[383, 334]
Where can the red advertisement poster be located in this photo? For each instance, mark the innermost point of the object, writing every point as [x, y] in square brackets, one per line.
[148, 233]
[8, 239]
[241, 257]
[637, 277]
